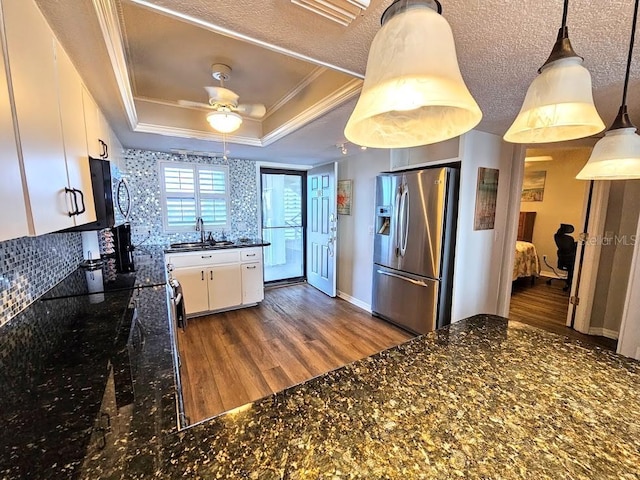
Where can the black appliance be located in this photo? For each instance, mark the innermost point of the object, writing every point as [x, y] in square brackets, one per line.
[123, 248]
[102, 197]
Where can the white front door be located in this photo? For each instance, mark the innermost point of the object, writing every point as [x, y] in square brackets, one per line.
[322, 227]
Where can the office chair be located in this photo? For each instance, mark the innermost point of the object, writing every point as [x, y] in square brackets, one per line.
[567, 248]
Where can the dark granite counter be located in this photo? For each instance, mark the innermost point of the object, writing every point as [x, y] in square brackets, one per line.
[484, 398]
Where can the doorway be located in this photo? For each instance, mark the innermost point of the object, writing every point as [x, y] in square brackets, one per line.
[553, 209]
[284, 224]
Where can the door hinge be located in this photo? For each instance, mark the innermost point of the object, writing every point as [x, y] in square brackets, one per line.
[574, 301]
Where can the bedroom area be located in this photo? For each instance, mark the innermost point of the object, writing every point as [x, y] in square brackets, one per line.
[553, 208]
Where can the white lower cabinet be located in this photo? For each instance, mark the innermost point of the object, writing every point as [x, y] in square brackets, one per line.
[216, 280]
[252, 283]
[225, 287]
[194, 288]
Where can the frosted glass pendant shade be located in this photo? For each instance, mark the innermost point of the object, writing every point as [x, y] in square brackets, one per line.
[614, 157]
[224, 121]
[558, 106]
[413, 92]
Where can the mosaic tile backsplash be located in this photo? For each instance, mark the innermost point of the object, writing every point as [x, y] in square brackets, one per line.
[141, 173]
[30, 266]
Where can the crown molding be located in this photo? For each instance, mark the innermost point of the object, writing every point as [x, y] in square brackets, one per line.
[305, 82]
[196, 134]
[108, 18]
[334, 100]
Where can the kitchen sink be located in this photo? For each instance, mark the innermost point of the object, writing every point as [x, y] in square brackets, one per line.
[189, 245]
[224, 243]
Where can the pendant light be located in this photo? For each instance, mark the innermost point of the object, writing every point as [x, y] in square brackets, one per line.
[617, 155]
[413, 92]
[559, 103]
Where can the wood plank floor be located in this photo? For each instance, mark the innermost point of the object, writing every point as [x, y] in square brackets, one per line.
[545, 306]
[233, 358]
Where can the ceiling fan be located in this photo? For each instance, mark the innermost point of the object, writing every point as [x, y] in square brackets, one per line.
[225, 117]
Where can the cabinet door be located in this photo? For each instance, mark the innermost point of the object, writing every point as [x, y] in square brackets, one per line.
[225, 286]
[92, 125]
[30, 47]
[194, 288]
[74, 135]
[13, 221]
[104, 135]
[252, 283]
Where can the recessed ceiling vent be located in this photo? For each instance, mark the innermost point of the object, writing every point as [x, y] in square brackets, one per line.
[340, 11]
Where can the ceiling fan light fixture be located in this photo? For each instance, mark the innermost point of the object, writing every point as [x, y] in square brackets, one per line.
[559, 104]
[224, 121]
[413, 92]
[617, 155]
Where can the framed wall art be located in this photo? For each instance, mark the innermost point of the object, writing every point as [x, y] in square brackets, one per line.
[533, 186]
[486, 199]
[345, 196]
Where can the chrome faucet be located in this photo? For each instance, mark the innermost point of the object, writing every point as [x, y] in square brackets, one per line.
[200, 228]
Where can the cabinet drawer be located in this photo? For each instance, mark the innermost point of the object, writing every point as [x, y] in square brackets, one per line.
[203, 258]
[251, 254]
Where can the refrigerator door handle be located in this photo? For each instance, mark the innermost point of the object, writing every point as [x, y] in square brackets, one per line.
[397, 214]
[406, 279]
[405, 221]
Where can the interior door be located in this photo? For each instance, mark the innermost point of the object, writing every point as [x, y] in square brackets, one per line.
[322, 228]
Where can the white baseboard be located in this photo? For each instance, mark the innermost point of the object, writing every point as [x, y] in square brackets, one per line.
[354, 301]
[603, 332]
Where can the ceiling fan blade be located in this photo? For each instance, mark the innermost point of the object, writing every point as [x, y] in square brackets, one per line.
[222, 95]
[255, 110]
[189, 103]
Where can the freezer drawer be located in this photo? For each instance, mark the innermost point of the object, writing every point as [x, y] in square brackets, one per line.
[407, 300]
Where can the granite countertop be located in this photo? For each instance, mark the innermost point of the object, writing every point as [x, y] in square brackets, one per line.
[194, 247]
[484, 398]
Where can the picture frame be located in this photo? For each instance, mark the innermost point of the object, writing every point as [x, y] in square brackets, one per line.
[533, 186]
[486, 199]
[345, 197]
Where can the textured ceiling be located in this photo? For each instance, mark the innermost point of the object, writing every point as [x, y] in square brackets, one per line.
[500, 45]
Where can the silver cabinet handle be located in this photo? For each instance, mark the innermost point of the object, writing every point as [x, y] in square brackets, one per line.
[250, 255]
[251, 268]
[206, 256]
[406, 279]
[211, 273]
[202, 274]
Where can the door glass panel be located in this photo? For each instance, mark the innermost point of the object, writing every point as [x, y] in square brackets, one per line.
[282, 225]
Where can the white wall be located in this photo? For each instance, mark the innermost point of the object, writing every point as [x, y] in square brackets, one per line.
[629, 340]
[355, 231]
[479, 254]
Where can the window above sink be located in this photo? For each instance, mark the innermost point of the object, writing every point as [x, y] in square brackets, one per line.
[190, 191]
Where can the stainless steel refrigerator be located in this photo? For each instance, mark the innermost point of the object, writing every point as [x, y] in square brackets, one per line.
[414, 246]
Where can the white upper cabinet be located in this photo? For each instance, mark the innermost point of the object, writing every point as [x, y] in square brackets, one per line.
[13, 220]
[101, 141]
[45, 156]
[74, 134]
[31, 50]
[92, 123]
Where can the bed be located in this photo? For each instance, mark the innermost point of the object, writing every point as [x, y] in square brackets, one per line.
[526, 263]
